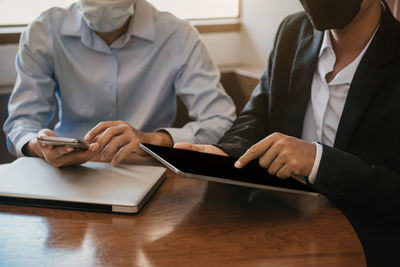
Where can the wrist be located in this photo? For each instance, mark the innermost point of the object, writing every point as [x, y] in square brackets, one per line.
[161, 138]
[31, 149]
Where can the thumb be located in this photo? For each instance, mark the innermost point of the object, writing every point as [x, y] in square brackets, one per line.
[46, 132]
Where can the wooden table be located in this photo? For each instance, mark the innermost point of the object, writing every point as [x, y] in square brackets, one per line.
[187, 222]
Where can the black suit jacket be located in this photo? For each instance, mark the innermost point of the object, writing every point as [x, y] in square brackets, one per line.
[361, 173]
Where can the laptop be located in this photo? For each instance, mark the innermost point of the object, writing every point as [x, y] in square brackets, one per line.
[91, 186]
[221, 169]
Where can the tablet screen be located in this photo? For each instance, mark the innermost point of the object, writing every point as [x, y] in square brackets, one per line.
[191, 162]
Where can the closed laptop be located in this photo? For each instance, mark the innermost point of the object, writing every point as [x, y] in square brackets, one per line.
[90, 186]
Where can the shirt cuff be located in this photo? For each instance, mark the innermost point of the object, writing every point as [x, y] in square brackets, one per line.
[22, 141]
[317, 160]
[179, 134]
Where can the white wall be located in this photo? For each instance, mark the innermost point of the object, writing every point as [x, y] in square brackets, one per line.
[250, 46]
[260, 21]
[224, 48]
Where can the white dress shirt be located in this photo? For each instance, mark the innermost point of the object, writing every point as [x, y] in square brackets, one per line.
[327, 101]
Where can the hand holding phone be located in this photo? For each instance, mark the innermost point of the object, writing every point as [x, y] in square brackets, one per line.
[63, 141]
[58, 151]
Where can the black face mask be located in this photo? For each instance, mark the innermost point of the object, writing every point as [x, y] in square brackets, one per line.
[331, 14]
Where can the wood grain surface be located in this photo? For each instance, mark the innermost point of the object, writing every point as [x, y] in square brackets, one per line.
[187, 222]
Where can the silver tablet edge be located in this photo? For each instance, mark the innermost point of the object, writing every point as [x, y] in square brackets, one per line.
[166, 163]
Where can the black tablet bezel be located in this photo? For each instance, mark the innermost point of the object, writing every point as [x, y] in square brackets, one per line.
[221, 169]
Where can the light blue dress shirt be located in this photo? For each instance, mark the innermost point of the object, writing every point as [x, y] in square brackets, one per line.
[135, 80]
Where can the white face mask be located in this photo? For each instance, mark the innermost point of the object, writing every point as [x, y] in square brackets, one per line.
[106, 15]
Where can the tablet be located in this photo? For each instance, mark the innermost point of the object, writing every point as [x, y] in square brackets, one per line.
[221, 169]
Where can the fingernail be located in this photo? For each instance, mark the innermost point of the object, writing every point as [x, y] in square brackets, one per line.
[69, 149]
[238, 164]
[103, 156]
[94, 147]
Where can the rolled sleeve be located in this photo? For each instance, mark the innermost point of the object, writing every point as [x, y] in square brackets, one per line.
[198, 85]
[179, 134]
[32, 103]
[22, 141]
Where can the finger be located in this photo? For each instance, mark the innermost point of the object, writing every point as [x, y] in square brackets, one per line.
[99, 128]
[75, 158]
[56, 152]
[210, 149]
[185, 146]
[269, 156]
[94, 147]
[284, 172]
[124, 152]
[109, 135]
[46, 132]
[94, 139]
[276, 165]
[114, 145]
[254, 152]
[62, 151]
[110, 156]
[44, 147]
[191, 147]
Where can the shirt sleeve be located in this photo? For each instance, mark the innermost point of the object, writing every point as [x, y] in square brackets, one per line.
[32, 102]
[317, 160]
[197, 83]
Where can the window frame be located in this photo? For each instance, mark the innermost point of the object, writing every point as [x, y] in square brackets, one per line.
[10, 34]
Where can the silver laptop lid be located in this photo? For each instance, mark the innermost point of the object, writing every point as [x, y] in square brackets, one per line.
[123, 187]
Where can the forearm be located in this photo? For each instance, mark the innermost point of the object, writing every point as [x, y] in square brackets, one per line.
[160, 138]
[245, 132]
[18, 137]
[32, 102]
[201, 132]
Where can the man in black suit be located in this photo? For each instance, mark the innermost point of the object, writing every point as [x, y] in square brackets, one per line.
[333, 77]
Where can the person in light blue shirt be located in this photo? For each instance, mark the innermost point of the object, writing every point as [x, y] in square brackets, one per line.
[115, 68]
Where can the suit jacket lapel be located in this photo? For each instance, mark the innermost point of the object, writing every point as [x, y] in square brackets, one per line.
[367, 79]
[305, 63]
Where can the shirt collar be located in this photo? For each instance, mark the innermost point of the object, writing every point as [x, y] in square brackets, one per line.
[326, 63]
[326, 43]
[142, 25]
[73, 24]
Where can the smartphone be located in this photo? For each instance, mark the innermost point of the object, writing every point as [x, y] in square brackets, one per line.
[63, 141]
